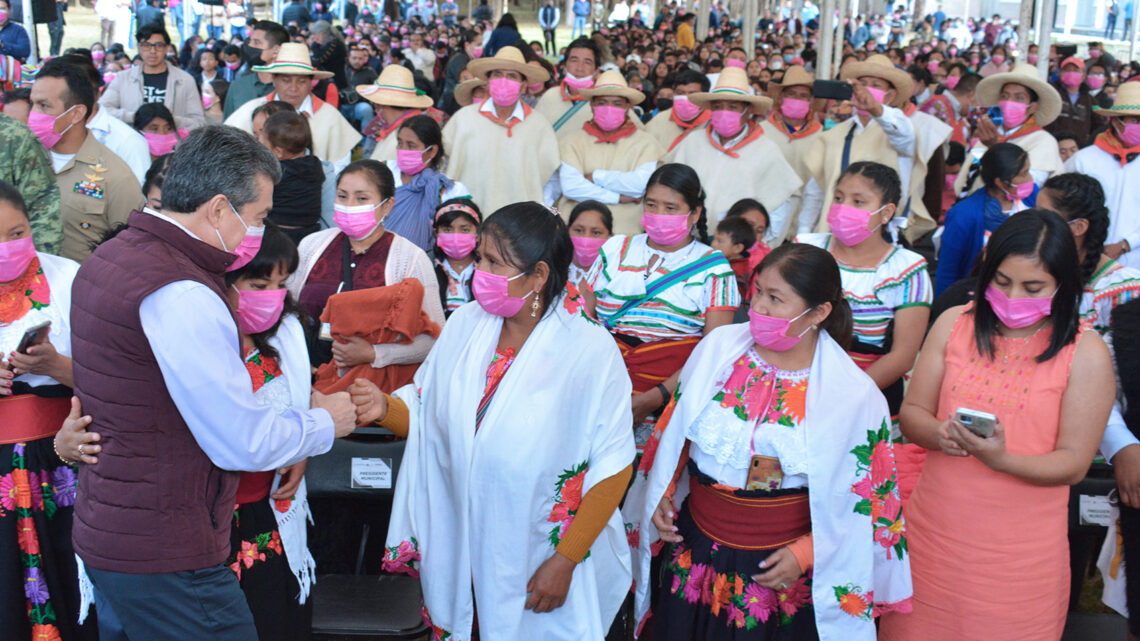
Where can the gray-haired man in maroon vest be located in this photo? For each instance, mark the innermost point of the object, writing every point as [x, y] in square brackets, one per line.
[157, 364]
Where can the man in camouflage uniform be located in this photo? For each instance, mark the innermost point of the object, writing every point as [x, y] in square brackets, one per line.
[24, 163]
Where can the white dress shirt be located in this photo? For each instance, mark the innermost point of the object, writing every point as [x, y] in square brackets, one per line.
[196, 343]
[122, 139]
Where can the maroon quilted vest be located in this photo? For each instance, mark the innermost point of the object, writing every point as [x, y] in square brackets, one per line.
[154, 503]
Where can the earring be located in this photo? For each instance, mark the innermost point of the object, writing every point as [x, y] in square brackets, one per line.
[534, 307]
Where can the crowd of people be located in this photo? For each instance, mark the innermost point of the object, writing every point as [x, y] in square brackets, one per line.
[681, 342]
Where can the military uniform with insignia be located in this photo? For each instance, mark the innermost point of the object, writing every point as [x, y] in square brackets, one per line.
[97, 191]
[25, 164]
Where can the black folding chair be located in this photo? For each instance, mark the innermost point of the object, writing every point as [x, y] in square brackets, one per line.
[358, 606]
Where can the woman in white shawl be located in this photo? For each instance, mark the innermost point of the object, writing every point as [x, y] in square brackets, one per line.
[792, 526]
[518, 452]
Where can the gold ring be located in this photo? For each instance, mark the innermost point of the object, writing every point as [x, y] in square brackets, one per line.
[80, 448]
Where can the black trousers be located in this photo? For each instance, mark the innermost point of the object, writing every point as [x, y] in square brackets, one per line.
[1130, 534]
[548, 37]
[200, 604]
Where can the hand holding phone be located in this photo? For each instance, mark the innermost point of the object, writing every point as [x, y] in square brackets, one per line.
[980, 423]
[34, 335]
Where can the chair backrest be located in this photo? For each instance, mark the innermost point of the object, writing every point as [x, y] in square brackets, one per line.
[360, 467]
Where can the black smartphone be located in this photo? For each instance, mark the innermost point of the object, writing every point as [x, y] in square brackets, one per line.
[1064, 51]
[832, 90]
[34, 336]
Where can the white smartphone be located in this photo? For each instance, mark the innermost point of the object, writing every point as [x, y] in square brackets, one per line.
[980, 423]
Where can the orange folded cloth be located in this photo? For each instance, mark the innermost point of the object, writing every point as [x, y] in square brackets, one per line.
[379, 315]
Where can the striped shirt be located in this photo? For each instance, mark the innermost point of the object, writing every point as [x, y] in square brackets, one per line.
[620, 274]
[1113, 284]
[876, 294]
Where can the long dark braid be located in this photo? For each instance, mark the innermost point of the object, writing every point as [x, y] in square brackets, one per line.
[1077, 196]
[703, 221]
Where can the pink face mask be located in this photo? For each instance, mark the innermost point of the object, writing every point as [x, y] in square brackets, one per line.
[608, 118]
[850, 224]
[492, 292]
[259, 309]
[207, 101]
[586, 249]
[43, 126]
[534, 88]
[1131, 135]
[933, 66]
[233, 66]
[726, 123]
[575, 82]
[733, 62]
[160, 144]
[357, 222]
[998, 59]
[504, 91]
[1032, 58]
[15, 256]
[665, 229]
[1071, 79]
[877, 94]
[456, 246]
[1095, 53]
[1022, 191]
[1017, 313]
[952, 81]
[772, 333]
[795, 108]
[98, 56]
[684, 108]
[248, 247]
[1012, 113]
[1095, 82]
[411, 161]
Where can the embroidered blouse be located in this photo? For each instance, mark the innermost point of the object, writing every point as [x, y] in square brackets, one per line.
[758, 410]
[899, 281]
[270, 390]
[1112, 285]
[621, 275]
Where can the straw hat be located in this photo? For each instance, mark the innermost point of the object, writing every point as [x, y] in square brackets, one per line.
[1127, 101]
[795, 76]
[1026, 75]
[395, 88]
[732, 84]
[880, 66]
[612, 83]
[465, 90]
[293, 60]
[508, 59]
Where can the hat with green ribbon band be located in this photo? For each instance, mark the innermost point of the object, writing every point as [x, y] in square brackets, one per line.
[395, 88]
[293, 60]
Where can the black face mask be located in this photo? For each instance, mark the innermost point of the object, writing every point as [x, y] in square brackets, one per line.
[251, 55]
[664, 103]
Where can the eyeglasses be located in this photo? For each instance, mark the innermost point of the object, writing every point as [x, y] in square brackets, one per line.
[152, 45]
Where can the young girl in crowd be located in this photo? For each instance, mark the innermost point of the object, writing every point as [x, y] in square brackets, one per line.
[297, 196]
[659, 292]
[1020, 353]
[755, 466]
[214, 100]
[155, 122]
[552, 562]
[421, 186]
[1008, 189]
[456, 233]
[38, 578]
[733, 238]
[591, 225]
[152, 182]
[888, 287]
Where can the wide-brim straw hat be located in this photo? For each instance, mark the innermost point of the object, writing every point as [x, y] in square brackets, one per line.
[794, 76]
[293, 60]
[1127, 101]
[732, 84]
[880, 66]
[465, 90]
[395, 88]
[1026, 75]
[612, 83]
[508, 59]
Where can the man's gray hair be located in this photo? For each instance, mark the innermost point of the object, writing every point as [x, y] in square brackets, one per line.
[216, 160]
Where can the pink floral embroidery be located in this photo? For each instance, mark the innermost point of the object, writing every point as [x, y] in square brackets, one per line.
[403, 558]
[567, 499]
[877, 489]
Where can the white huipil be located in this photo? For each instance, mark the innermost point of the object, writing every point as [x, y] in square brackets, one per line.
[498, 165]
[1121, 193]
[619, 168]
[482, 510]
[748, 166]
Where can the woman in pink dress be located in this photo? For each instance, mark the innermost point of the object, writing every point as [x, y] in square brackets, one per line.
[988, 519]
